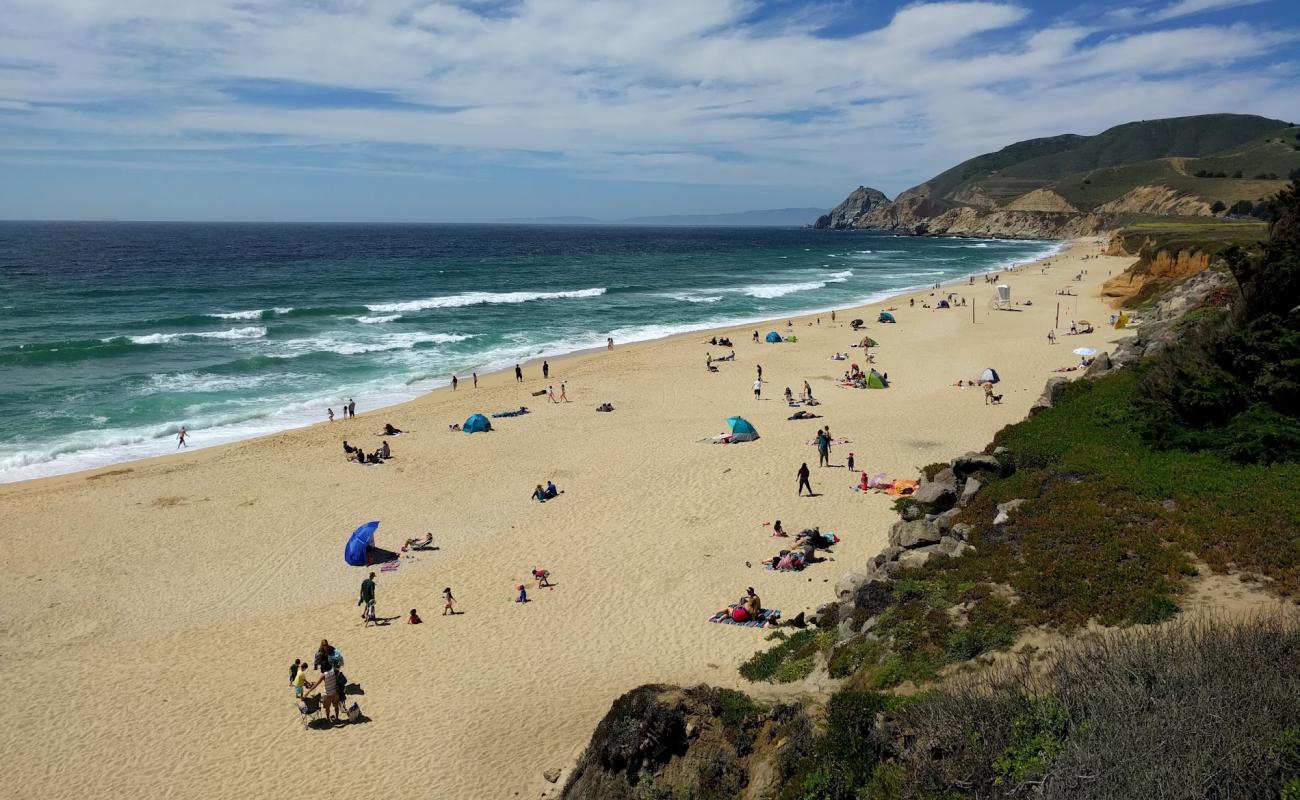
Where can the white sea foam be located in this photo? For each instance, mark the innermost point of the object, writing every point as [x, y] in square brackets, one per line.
[771, 291]
[693, 297]
[479, 298]
[251, 332]
[257, 313]
[378, 320]
[351, 347]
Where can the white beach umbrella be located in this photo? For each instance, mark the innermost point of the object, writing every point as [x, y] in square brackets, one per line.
[1086, 352]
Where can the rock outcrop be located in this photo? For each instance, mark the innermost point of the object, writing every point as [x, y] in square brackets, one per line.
[860, 201]
[1041, 200]
[665, 741]
[1160, 200]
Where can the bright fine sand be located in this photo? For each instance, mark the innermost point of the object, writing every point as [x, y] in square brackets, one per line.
[151, 610]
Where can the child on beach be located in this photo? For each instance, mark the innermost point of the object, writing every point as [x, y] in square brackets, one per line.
[414, 619]
[523, 594]
[448, 602]
[300, 681]
[543, 577]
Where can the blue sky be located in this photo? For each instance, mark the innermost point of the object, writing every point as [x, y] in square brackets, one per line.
[414, 110]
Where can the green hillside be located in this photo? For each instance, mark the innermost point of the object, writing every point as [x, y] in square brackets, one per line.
[1217, 157]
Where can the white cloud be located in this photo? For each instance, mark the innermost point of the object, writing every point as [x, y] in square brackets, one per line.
[1183, 8]
[676, 90]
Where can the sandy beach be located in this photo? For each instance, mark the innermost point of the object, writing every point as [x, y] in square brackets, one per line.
[152, 609]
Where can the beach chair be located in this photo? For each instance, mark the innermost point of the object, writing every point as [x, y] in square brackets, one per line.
[309, 709]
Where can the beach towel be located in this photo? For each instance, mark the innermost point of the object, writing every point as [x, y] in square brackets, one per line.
[771, 616]
[390, 566]
[841, 440]
[901, 488]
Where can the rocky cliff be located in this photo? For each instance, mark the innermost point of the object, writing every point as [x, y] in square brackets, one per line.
[920, 215]
[861, 200]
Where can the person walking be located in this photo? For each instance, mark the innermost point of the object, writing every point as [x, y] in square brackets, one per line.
[448, 602]
[564, 397]
[367, 598]
[546, 370]
[454, 382]
[181, 436]
[759, 369]
[803, 480]
[330, 413]
[519, 374]
[758, 389]
[550, 392]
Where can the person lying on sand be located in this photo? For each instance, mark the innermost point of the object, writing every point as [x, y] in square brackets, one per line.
[419, 544]
[605, 407]
[455, 426]
[389, 430]
[803, 415]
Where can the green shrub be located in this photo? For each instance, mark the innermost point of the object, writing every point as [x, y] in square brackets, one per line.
[792, 659]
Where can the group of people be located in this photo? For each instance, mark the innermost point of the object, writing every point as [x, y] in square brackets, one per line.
[722, 342]
[542, 494]
[349, 410]
[360, 456]
[331, 681]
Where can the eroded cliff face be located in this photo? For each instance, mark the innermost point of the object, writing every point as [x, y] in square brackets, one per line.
[920, 215]
[1152, 273]
[1157, 200]
[861, 200]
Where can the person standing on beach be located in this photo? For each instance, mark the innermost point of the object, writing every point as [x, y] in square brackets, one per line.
[330, 413]
[755, 337]
[823, 449]
[803, 481]
[352, 408]
[181, 436]
[564, 397]
[758, 390]
[448, 602]
[759, 368]
[475, 374]
[546, 370]
[454, 382]
[609, 342]
[519, 374]
[367, 598]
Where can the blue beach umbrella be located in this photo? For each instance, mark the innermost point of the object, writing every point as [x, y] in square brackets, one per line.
[359, 543]
[773, 337]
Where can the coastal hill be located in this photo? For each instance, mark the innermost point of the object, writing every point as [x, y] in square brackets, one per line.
[1213, 165]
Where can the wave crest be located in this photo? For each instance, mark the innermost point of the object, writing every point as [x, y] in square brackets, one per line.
[479, 298]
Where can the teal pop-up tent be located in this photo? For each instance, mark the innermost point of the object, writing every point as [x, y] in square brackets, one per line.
[885, 316]
[477, 423]
[741, 430]
[773, 337]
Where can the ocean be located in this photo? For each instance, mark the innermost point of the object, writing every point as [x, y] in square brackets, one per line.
[113, 335]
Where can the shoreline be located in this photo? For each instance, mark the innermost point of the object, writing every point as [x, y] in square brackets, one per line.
[237, 551]
[436, 385]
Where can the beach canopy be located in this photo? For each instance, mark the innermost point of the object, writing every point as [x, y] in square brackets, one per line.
[773, 337]
[855, 324]
[885, 316]
[1086, 352]
[943, 304]
[359, 543]
[867, 341]
[741, 430]
[989, 375]
[477, 423]
[876, 381]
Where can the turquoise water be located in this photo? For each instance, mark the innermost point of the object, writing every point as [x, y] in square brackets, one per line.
[113, 335]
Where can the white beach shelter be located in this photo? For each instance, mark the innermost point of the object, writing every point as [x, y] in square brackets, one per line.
[1004, 296]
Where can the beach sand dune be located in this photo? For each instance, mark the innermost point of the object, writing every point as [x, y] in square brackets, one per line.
[151, 610]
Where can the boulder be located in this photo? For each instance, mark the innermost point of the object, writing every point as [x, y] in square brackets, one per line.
[551, 775]
[921, 556]
[888, 554]
[873, 596]
[940, 493]
[1051, 395]
[913, 534]
[911, 511]
[847, 628]
[1099, 366]
[1005, 509]
[826, 615]
[968, 491]
[948, 545]
[946, 520]
[848, 584]
[961, 531]
[971, 462]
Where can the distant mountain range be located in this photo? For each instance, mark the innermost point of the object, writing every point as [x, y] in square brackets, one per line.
[1203, 166]
[770, 217]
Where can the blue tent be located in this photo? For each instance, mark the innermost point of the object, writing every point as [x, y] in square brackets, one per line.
[885, 316]
[477, 423]
[773, 337]
[359, 543]
[943, 304]
[741, 430]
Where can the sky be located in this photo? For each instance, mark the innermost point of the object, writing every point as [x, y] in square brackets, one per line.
[479, 110]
